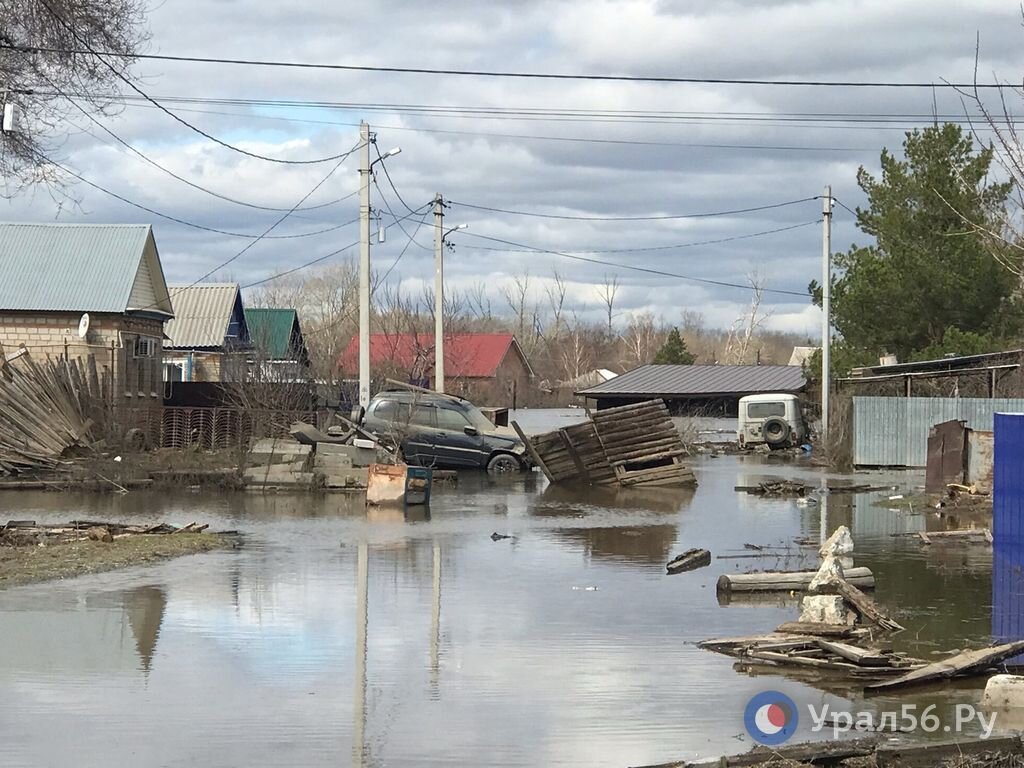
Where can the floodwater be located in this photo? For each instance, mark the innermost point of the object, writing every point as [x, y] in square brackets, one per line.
[338, 636]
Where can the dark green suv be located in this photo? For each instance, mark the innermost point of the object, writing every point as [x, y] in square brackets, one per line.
[443, 431]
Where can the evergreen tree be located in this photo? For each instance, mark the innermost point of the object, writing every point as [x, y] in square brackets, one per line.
[674, 351]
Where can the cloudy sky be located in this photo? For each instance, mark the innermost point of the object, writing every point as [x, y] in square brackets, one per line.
[565, 148]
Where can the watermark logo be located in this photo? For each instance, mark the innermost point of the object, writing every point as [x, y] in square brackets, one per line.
[771, 718]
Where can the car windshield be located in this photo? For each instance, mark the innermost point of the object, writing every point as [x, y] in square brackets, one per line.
[477, 419]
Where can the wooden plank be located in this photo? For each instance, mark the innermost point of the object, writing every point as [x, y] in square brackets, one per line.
[861, 603]
[532, 451]
[860, 656]
[964, 663]
[580, 466]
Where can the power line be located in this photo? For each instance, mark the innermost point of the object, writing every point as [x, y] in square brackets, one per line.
[89, 50]
[182, 179]
[665, 217]
[185, 222]
[384, 165]
[539, 137]
[634, 268]
[326, 256]
[665, 247]
[410, 241]
[269, 229]
[512, 74]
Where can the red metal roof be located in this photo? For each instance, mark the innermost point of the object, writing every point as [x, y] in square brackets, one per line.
[466, 355]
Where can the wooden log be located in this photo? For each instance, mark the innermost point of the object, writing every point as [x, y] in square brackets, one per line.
[784, 581]
[964, 663]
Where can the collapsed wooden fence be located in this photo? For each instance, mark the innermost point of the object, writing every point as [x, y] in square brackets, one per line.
[628, 445]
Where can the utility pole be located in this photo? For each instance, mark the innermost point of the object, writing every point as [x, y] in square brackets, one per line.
[826, 309]
[364, 265]
[439, 293]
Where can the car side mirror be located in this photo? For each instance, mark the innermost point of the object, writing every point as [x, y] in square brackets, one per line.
[471, 431]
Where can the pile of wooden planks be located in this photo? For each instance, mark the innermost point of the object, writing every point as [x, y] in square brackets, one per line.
[832, 654]
[642, 444]
[45, 409]
[628, 445]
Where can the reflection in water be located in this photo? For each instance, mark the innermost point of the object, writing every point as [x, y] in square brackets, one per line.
[362, 622]
[321, 641]
[145, 608]
[645, 543]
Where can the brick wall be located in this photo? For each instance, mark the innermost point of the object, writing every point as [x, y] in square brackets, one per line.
[111, 340]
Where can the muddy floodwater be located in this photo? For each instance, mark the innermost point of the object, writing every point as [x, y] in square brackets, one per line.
[340, 637]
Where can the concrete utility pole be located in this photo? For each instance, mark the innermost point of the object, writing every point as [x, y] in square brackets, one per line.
[439, 293]
[826, 310]
[364, 265]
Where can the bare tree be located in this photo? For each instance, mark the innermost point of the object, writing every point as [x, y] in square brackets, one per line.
[746, 326]
[556, 301]
[641, 339]
[526, 314]
[574, 356]
[607, 291]
[46, 56]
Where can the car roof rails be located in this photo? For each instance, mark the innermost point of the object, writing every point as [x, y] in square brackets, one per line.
[394, 384]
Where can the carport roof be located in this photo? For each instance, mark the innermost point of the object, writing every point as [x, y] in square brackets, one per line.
[681, 381]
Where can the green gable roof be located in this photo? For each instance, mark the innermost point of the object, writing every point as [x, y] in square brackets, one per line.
[276, 333]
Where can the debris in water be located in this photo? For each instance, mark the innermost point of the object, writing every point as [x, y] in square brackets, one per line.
[499, 536]
[689, 560]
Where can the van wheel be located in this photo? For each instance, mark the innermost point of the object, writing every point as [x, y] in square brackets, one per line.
[502, 463]
[776, 431]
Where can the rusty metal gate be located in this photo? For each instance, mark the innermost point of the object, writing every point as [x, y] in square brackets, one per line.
[213, 428]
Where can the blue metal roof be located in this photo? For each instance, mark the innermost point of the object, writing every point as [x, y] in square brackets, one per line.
[70, 267]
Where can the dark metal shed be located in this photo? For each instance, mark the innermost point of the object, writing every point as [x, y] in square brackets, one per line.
[712, 389]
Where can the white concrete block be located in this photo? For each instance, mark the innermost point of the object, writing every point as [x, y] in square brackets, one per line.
[830, 571]
[824, 609]
[839, 543]
[1004, 692]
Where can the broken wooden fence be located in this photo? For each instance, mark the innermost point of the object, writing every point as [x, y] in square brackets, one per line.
[629, 445]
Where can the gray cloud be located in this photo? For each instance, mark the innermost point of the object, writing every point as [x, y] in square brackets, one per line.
[460, 156]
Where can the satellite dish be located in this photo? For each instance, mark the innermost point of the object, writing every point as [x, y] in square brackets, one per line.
[83, 326]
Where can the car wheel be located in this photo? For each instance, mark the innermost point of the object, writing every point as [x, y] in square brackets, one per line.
[776, 432]
[501, 463]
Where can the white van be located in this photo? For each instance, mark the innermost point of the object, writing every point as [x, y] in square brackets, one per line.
[772, 419]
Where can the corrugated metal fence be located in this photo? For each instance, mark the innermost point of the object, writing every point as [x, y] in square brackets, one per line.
[893, 431]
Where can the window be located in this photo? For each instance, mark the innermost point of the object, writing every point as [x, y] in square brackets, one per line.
[386, 410]
[174, 371]
[451, 419]
[424, 416]
[146, 346]
[765, 410]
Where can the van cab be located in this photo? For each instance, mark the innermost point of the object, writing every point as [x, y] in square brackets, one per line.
[775, 420]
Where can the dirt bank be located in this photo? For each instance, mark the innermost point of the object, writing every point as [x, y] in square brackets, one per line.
[28, 565]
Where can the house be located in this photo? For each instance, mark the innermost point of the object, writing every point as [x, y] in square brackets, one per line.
[696, 389]
[208, 339]
[278, 346]
[81, 289]
[488, 367]
[801, 355]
